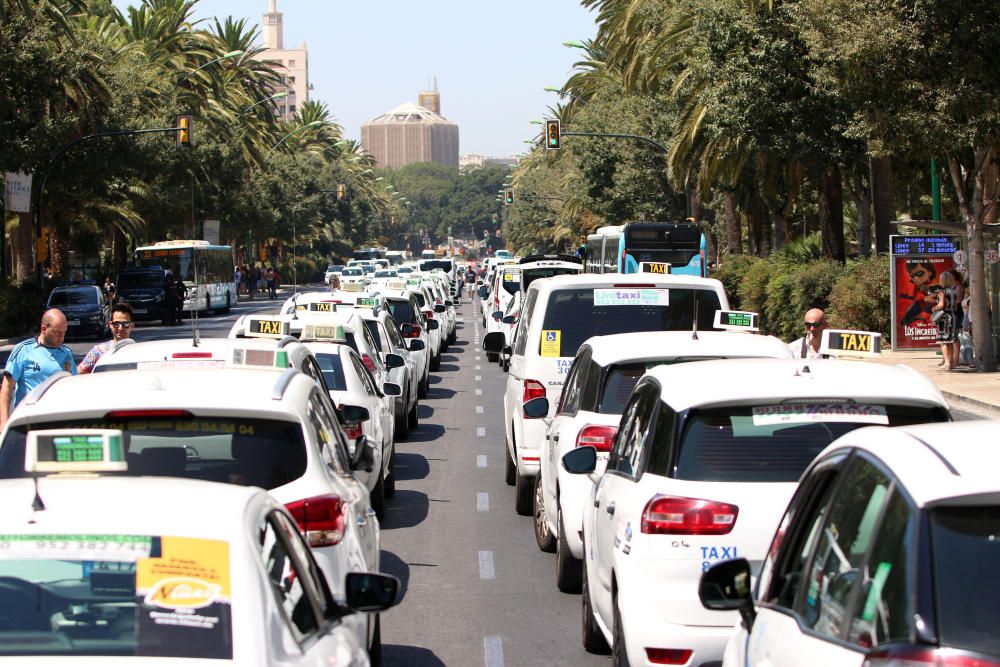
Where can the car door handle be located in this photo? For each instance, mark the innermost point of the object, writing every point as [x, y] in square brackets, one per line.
[610, 509]
[362, 521]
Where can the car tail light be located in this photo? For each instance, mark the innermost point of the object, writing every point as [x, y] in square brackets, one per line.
[138, 414]
[624, 255]
[673, 515]
[321, 519]
[532, 389]
[191, 355]
[438, 301]
[369, 364]
[926, 656]
[668, 656]
[353, 430]
[429, 314]
[414, 332]
[596, 436]
[634, 285]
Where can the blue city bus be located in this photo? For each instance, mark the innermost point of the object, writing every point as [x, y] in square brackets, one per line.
[655, 247]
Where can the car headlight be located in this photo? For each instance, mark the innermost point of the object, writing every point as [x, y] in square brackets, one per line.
[158, 298]
[95, 317]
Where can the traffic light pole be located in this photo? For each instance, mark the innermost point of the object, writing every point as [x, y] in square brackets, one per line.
[615, 135]
[65, 149]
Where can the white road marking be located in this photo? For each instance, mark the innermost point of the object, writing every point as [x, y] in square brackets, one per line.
[493, 652]
[480, 410]
[479, 378]
[486, 570]
[480, 431]
[479, 392]
[479, 368]
[481, 461]
[482, 502]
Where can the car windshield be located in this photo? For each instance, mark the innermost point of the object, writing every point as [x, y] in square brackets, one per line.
[572, 313]
[111, 595]
[333, 268]
[404, 269]
[247, 452]
[333, 371]
[353, 271]
[142, 280]
[73, 297]
[769, 443]
[388, 273]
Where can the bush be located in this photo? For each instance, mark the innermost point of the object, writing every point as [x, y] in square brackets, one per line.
[21, 309]
[731, 273]
[860, 298]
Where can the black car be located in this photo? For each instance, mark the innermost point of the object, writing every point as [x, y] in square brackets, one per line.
[87, 312]
[143, 290]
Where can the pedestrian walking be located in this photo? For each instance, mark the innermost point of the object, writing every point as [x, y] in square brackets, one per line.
[275, 281]
[33, 361]
[943, 315]
[121, 328]
[181, 291]
[254, 277]
[169, 300]
[237, 278]
[269, 282]
[807, 347]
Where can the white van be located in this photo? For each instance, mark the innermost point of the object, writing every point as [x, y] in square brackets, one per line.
[558, 314]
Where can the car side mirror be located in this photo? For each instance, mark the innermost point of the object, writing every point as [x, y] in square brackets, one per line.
[497, 315]
[392, 389]
[449, 302]
[510, 319]
[371, 592]
[364, 454]
[406, 330]
[416, 345]
[440, 308]
[726, 587]
[432, 325]
[482, 292]
[536, 408]
[354, 414]
[394, 361]
[580, 461]
[494, 342]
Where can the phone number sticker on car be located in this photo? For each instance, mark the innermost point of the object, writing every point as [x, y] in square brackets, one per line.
[803, 413]
[631, 297]
[118, 548]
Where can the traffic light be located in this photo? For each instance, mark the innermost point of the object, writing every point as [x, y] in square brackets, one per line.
[184, 131]
[508, 196]
[341, 192]
[552, 135]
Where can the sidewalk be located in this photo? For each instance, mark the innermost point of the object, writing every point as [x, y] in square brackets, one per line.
[979, 392]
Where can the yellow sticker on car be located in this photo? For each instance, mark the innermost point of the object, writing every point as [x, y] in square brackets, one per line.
[551, 343]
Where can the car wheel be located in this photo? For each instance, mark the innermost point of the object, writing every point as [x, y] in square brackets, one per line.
[619, 653]
[593, 638]
[403, 423]
[568, 568]
[524, 493]
[509, 470]
[411, 416]
[436, 363]
[377, 498]
[229, 306]
[375, 649]
[543, 536]
[389, 487]
[423, 387]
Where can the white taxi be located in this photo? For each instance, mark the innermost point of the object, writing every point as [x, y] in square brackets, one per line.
[389, 341]
[557, 315]
[155, 579]
[278, 431]
[706, 457]
[602, 377]
[405, 310]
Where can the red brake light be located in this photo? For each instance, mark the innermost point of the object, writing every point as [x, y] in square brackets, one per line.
[134, 414]
[429, 314]
[321, 519]
[668, 656]
[415, 331]
[596, 436]
[369, 364]
[191, 355]
[532, 389]
[926, 656]
[635, 285]
[673, 515]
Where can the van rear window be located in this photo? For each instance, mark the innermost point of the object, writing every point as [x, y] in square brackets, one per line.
[572, 313]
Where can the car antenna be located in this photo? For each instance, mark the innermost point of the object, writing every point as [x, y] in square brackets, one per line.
[37, 505]
[295, 304]
[694, 321]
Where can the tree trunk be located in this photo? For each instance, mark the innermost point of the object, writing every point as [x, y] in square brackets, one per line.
[22, 241]
[861, 196]
[883, 199]
[976, 191]
[831, 215]
[734, 233]
[760, 237]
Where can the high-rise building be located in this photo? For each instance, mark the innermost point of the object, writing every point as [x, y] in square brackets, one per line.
[412, 133]
[292, 64]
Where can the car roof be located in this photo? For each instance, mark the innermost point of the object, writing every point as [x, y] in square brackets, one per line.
[129, 506]
[246, 392]
[662, 344]
[756, 381]
[219, 348]
[568, 280]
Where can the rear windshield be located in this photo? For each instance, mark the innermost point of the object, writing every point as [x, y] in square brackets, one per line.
[420, 299]
[333, 371]
[529, 276]
[128, 281]
[755, 444]
[618, 385]
[572, 313]
[966, 586]
[511, 281]
[248, 452]
[373, 330]
[352, 341]
[402, 311]
[430, 265]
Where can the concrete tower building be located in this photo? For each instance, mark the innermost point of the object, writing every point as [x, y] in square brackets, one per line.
[293, 64]
[412, 133]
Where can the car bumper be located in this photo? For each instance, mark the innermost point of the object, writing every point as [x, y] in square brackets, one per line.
[529, 442]
[574, 490]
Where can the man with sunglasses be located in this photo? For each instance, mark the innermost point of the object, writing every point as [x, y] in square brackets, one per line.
[807, 347]
[121, 328]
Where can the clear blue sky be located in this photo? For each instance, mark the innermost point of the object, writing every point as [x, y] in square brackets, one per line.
[491, 59]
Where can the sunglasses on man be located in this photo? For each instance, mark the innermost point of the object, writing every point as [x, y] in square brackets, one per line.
[121, 324]
[813, 325]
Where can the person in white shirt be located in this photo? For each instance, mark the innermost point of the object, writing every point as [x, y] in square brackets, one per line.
[807, 347]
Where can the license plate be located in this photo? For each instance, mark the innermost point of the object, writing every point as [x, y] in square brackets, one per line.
[73, 323]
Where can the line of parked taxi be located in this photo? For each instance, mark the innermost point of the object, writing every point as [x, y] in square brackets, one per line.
[716, 501]
[220, 498]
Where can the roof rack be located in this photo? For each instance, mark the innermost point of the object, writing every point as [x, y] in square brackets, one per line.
[39, 391]
[554, 258]
[285, 379]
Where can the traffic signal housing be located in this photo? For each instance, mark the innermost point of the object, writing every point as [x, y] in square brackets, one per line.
[184, 131]
[552, 135]
[508, 196]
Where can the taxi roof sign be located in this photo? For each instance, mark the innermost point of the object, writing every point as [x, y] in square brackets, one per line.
[846, 343]
[327, 333]
[267, 327]
[260, 358]
[75, 451]
[736, 320]
[396, 285]
[322, 307]
[352, 287]
[366, 302]
[663, 268]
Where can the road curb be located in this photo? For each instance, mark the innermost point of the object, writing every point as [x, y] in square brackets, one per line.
[973, 404]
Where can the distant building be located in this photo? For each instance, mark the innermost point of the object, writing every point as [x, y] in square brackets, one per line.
[412, 133]
[292, 64]
[475, 161]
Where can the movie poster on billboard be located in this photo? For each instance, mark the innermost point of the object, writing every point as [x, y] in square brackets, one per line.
[917, 286]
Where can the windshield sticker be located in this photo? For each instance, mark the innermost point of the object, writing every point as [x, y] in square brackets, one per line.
[185, 600]
[551, 343]
[113, 548]
[804, 413]
[621, 296]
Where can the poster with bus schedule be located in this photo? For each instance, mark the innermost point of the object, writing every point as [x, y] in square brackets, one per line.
[916, 287]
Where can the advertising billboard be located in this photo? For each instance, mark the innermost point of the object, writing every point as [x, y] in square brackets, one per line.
[917, 263]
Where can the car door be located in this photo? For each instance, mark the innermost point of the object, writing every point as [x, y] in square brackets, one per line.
[550, 456]
[813, 581]
[615, 489]
[380, 413]
[515, 378]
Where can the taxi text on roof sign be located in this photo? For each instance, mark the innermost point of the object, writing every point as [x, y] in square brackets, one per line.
[323, 332]
[75, 450]
[623, 296]
[323, 307]
[267, 328]
[654, 267]
[845, 343]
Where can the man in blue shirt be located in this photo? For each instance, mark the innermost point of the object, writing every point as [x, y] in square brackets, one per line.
[33, 361]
